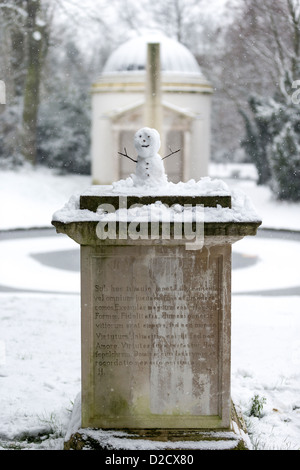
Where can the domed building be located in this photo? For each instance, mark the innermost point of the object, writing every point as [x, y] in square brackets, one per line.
[118, 110]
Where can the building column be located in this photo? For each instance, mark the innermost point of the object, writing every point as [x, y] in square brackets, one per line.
[199, 149]
[104, 166]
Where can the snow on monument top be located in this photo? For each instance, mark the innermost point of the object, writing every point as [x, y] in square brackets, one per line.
[150, 179]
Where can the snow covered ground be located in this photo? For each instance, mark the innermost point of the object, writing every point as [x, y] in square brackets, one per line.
[40, 318]
[29, 198]
[274, 214]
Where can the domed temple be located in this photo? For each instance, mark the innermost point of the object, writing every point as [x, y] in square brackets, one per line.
[118, 110]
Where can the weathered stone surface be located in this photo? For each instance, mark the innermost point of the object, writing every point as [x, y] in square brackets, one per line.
[235, 438]
[156, 337]
[156, 328]
[92, 202]
[215, 233]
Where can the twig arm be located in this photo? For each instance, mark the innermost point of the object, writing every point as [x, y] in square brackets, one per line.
[127, 156]
[172, 153]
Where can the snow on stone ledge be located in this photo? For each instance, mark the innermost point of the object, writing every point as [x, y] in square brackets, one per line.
[121, 440]
[242, 209]
[204, 187]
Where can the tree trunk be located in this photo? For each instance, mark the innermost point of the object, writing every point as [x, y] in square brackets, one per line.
[35, 54]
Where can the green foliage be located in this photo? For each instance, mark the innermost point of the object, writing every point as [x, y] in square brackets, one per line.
[64, 131]
[257, 405]
[256, 141]
[284, 155]
[10, 141]
[272, 142]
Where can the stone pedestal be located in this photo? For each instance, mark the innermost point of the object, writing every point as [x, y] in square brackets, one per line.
[156, 329]
[156, 325]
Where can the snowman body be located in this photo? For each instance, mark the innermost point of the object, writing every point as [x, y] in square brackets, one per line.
[149, 168]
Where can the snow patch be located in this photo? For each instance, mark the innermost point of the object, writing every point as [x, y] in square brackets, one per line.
[242, 209]
[37, 35]
[31, 196]
[206, 186]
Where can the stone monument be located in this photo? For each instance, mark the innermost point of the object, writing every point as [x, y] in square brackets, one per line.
[156, 303]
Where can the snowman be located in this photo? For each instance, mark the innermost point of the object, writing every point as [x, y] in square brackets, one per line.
[149, 165]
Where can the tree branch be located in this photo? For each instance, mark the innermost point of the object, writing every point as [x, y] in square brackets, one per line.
[15, 8]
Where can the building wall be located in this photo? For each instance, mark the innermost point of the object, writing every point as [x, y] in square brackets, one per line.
[186, 125]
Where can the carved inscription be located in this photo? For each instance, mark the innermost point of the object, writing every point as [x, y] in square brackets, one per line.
[156, 317]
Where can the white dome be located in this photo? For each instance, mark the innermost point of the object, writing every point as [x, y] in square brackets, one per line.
[131, 56]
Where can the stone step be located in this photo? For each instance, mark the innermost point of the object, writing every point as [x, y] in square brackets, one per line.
[77, 438]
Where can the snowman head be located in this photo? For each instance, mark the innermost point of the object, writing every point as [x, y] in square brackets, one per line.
[147, 142]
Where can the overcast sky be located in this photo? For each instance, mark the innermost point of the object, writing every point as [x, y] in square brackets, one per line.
[87, 32]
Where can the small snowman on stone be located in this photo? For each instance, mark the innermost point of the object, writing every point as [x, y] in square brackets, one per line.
[150, 169]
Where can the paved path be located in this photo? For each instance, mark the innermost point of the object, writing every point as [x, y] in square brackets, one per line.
[237, 262]
[69, 259]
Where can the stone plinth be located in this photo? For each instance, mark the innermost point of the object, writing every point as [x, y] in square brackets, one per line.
[156, 323]
[156, 320]
[92, 199]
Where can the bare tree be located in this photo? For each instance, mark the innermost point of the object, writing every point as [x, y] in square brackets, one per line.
[260, 55]
[12, 45]
[25, 41]
[36, 48]
[179, 18]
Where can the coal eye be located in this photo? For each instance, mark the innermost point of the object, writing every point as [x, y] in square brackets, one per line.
[148, 136]
[140, 136]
